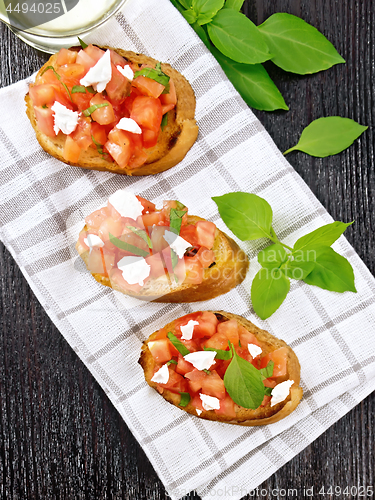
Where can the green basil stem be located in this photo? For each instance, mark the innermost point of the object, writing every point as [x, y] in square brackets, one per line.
[272, 236]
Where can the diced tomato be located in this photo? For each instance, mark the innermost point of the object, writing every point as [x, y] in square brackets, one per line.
[66, 56]
[162, 334]
[207, 325]
[269, 383]
[72, 71]
[146, 111]
[213, 385]
[148, 86]
[266, 401]
[82, 100]
[148, 206]
[222, 366]
[72, 150]
[157, 238]
[42, 95]
[194, 270]
[230, 330]
[94, 52]
[206, 257]
[109, 225]
[99, 133]
[170, 98]
[49, 77]
[118, 87]
[152, 219]
[82, 133]
[280, 358]
[192, 345]
[45, 120]
[176, 382]
[95, 261]
[121, 146]
[157, 265]
[206, 233]
[247, 337]
[117, 60]
[95, 220]
[189, 233]
[160, 350]
[183, 366]
[105, 114]
[197, 402]
[196, 379]
[86, 61]
[227, 407]
[217, 341]
[150, 138]
[166, 107]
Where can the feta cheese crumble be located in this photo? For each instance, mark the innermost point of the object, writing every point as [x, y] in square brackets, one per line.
[187, 330]
[209, 402]
[281, 392]
[198, 411]
[126, 71]
[201, 360]
[177, 244]
[161, 376]
[134, 269]
[254, 350]
[64, 119]
[129, 125]
[99, 75]
[126, 204]
[92, 241]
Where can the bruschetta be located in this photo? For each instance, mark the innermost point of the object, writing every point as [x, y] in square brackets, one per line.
[220, 366]
[163, 255]
[110, 109]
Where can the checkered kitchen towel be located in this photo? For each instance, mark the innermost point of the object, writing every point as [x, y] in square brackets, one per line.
[43, 203]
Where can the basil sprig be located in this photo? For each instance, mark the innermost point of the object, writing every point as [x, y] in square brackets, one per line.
[155, 74]
[220, 353]
[127, 246]
[243, 382]
[94, 107]
[311, 259]
[185, 399]
[181, 348]
[59, 78]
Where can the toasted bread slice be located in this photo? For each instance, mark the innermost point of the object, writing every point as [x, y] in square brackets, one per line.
[246, 417]
[230, 269]
[173, 143]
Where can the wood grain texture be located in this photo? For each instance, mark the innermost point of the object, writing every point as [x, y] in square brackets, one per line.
[60, 437]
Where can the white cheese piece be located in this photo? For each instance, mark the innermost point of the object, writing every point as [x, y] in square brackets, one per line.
[281, 392]
[254, 350]
[134, 269]
[126, 71]
[129, 125]
[209, 402]
[177, 244]
[92, 241]
[201, 360]
[126, 204]
[99, 75]
[161, 376]
[198, 411]
[64, 119]
[187, 330]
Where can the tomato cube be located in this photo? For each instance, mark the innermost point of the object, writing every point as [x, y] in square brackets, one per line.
[189, 233]
[66, 56]
[194, 271]
[196, 378]
[207, 325]
[118, 88]
[45, 120]
[247, 337]
[99, 133]
[94, 52]
[170, 98]
[146, 111]
[217, 341]
[105, 114]
[213, 385]
[183, 366]
[150, 138]
[82, 133]
[227, 407]
[230, 330]
[148, 86]
[160, 350]
[206, 257]
[206, 233]
[42, 94]
[72, 150]
[280, 358]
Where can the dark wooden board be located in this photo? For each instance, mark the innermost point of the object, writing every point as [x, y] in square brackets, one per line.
[60, 437]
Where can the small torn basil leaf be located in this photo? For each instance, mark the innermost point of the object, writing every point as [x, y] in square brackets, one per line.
[164, 121]
[268, 370]
[185, 399]
[175, 220]
[220, 354]
[127, 247]
[172, 362]
[268, 391]
[83, 44]
[142, 234]
[155, 74]
[183, 350]
[94, 107]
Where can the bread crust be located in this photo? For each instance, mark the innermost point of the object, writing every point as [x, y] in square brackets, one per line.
[229, 270]
[174, 141]
[245, 417]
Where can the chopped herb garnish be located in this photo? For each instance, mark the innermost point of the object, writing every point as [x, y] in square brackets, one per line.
[207, 371]
[172, 362]
[127, 247]
[267, 391]
[220, 354]
[44, 106]
[94, 107]
[178, 344]
[98, 146]
[83, 44]
[175, 220]
[164, 121]
[155, 74]
[142, 234]
[185, 399]
[81, 89]
[268, 370]
[59, 78]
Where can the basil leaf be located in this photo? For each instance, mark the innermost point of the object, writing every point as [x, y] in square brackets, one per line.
[297, 46]
[331, 271]
[272, 256]
[325, 235]
[234, 4]
[220, 354]
[83, 44]
[206, 9]
[127, 247]
[142, 234]
[268, 391]
[186, 3]
[94, 107]
[252, 82]
[243, 383]
[185, 399]
[78, 89]
[175, 220]
[268, 370]
[247, 215]
[58, 77]
[268, 291]
[172, 362]
[164, 121]
[154, 74]
[178, 344]
[297, 269]
[190, 16]
[237, 37]
[328, 136]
